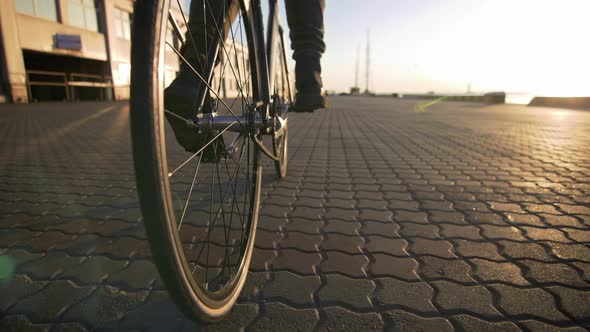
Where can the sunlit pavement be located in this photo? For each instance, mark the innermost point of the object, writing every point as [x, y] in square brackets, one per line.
[463, 216]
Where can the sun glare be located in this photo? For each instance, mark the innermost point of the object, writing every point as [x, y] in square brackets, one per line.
[532, 46]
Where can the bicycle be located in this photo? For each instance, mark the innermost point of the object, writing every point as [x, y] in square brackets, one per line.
[200, 215]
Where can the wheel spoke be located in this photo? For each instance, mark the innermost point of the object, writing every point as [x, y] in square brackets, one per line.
[222, 43]
[190, 192]
[205, 82]
[201, 149]
[190, 33]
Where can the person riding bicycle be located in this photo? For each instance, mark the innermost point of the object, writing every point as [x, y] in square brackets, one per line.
[306, 24]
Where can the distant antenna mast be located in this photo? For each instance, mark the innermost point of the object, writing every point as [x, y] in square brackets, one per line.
[368, 72]
[356, 73]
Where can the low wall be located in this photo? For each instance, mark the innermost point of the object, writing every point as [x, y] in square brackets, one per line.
[490, 98]
[565, 102]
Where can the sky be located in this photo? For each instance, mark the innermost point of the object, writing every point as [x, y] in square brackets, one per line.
[531, 46]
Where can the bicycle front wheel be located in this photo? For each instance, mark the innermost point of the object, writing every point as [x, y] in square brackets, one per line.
[200, 207]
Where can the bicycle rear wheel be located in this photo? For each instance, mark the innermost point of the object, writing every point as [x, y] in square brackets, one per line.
[282, 100]
[200, 213]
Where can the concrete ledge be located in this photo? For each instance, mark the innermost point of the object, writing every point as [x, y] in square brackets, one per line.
[564, 102]
[490, 98]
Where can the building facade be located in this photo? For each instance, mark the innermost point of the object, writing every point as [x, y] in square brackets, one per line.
[66, 49]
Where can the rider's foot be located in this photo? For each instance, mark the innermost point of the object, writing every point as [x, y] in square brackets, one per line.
[308, 80]
[180, 98]
[309, 101]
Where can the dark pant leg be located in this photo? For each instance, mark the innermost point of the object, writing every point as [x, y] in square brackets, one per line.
[306, 25]
[202, 28]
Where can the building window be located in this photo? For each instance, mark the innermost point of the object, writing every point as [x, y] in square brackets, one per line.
[82, 13]
[123, 21]
[40, 8]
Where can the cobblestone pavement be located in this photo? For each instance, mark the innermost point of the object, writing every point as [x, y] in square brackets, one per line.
[464, 217]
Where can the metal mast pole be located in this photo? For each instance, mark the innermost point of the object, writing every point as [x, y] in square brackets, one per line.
[368, 63]
[356, 73]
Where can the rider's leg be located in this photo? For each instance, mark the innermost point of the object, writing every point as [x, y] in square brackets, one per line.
[181, 96]
[306, 25]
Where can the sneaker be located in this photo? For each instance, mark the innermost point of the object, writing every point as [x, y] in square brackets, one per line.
[308, 81]
[309, 101]
[180, 98]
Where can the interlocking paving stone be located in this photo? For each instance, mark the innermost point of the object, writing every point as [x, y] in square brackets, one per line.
[435, 268]
[561, 220]
[271, 224]
[279, 317]
[69, 327]
[20, 256]
[253, 286]
[9, 238]
[571, 251]
[347, 292]
[494, 232]
[470, 323]
[53, 264]
[92, 270]
[552, 273]
[524, 219]
[415, 296]
[296, 261]
[483, 218]
[80, 245]
[261, 259]
[385, 265]
[388, 229]
[347, 244]
[344, 215]
[123, 248]
[438, 248]
[579, 236]
[518, 250]
[339, 319]
[517, 302]
[304, 226]
[573, 302]
[399, 320]
[470, 249]
[138, 274]
[21, 323]
[301, 241]
[417, 217]
[511, 202]
[447, 217]
[541, 208]
[350, 265]
[490, 272]
[455, 298]
[342, 227]
[17, 287]
[298, 290]
[105, 305]
[418, 230]
[48, 240]
[60, 294]
[542, 234]
[534, 325]
[394, 247]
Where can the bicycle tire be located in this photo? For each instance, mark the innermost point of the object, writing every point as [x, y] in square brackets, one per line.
[282, 98]
[148, 131]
